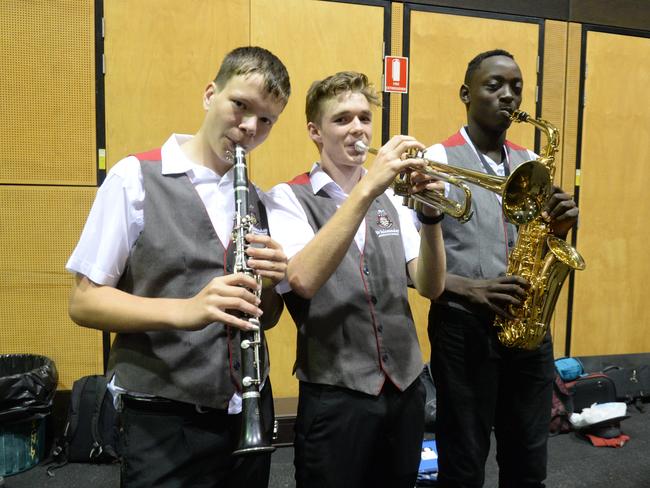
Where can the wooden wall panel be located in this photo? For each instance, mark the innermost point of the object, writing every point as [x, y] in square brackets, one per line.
[47, 114]
[610, 314]
[441, 45]
[337, 36]
[157, 66]
[553, 109]
[40, 227]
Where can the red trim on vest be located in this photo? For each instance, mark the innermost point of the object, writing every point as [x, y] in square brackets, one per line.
[456, 140]
[301, 179]
[514, 146]
[151, 155]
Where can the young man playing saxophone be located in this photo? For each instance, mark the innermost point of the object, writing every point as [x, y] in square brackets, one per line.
[352, 250]
[479, 382]
[154, 265]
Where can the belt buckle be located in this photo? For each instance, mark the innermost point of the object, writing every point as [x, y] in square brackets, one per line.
[201, 409]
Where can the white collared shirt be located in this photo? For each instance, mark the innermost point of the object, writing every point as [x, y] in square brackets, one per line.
[116, 218]
[289, 225]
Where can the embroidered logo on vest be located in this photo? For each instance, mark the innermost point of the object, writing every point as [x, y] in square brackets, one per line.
[385, 224]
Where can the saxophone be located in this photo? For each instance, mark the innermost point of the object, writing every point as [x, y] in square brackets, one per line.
[252, 437]
[539, 257]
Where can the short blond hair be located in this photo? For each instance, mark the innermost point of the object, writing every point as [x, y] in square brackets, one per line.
[332, 86]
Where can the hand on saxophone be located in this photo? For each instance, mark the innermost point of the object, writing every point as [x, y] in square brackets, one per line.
[222, 300]
[562, 212]
[498, 294]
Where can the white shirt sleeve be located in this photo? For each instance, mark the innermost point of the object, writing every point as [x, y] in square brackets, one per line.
[408, 229]
[113, 225]
[288, 224]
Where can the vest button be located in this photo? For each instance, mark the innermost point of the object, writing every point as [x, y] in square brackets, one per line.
[235, 365]
[373, 299]
[380, 328]
[384, 358]
[366, 271]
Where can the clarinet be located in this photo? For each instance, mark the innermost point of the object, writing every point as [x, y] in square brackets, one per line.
[252, 438]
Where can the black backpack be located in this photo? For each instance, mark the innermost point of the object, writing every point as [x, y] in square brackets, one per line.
[91, 432]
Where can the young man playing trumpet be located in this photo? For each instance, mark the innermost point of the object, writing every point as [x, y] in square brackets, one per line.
[352, 251]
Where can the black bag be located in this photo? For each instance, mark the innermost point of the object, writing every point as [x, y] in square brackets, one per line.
[591, 388]
[91, 433]
[632, 383]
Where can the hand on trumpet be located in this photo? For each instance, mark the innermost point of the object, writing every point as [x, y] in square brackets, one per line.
[426, 181]
[391, 159]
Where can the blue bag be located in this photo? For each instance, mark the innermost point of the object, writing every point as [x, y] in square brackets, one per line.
[569, 368]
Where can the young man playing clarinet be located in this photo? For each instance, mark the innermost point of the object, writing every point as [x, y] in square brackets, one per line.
[155, 266]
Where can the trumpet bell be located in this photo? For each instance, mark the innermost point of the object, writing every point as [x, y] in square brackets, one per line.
[526, 191]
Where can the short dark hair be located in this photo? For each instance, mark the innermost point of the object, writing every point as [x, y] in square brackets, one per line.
[330, 87]
[473, 65]
[253, 59]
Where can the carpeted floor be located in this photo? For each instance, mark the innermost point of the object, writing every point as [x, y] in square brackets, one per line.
[573, 463]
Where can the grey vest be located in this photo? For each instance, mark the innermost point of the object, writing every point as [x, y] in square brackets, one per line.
[479, 248]
[358, 329]
[175, 256]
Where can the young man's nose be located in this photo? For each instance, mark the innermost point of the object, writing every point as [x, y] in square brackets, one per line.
[248, 124]
[356, 126]
[507, 93]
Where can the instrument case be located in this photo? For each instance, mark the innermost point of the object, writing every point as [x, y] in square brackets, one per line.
[591, 388]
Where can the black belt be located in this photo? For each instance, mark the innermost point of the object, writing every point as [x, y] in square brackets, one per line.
[164, 405]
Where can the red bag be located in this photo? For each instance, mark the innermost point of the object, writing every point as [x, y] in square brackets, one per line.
[561, 408]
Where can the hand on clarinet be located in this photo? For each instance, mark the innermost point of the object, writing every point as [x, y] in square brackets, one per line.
[267, 259]
[223, 299]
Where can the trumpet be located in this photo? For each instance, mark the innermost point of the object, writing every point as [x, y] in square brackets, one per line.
[523, 193]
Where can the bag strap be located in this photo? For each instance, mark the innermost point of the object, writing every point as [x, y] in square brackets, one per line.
[60, 450]
[100, 393]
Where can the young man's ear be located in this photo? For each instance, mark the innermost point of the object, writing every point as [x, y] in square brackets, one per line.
[209, 92]
[464, 94]
[314, 133]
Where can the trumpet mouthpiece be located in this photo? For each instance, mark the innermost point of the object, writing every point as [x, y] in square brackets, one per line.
[360, 147]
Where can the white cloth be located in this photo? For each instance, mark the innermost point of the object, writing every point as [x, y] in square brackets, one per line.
[116, 218]
[289, 225]
[598, 412]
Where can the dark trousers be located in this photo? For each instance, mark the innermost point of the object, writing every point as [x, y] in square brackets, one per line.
[481, 384]
[347, 439]
[172, 445]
